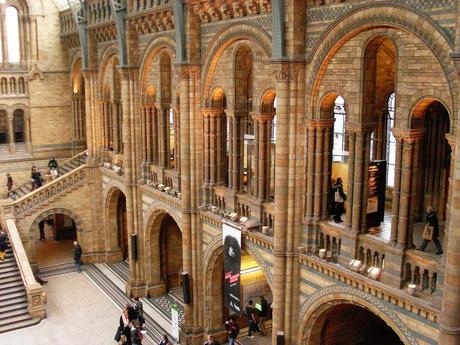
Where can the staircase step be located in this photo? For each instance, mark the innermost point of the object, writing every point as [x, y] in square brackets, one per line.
[18, 325]
[12, 295]
[13, 301]
[11, 279]
[12, 307]
[11, 274]
[6, 316]
[11, 284]
[11, 290]
[4, 270]
[15, 319]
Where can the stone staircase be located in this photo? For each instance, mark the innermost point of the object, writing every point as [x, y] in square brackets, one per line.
[20, 154]
[14, 313]
[64, 168]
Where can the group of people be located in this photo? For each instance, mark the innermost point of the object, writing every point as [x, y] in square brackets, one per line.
[37, 178]
[129, 331]
[3, 245]
[256, 316]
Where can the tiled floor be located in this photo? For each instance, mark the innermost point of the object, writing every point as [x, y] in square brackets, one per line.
[78, 313]
[52, 252]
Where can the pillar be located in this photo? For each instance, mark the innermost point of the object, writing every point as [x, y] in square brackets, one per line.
[11, 143]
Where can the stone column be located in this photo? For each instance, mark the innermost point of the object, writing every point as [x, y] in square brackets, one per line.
[155, 135]
[163, 135]
[11, 143]
[27, 138]
[92, 114]
[396, 192]
[115, 126]
[318, 177]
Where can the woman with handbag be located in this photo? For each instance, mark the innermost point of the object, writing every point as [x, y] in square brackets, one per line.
[431, 232]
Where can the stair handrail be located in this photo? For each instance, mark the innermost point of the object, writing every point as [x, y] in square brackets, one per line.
[7, 195]
[34, 291]
[74, 176]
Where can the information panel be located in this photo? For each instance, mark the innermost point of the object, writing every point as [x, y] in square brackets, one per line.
[376, 193]
[232, 267]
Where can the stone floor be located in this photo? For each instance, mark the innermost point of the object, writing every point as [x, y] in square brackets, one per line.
[51, 252]
[78, 313]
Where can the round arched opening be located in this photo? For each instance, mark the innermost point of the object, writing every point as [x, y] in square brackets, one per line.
[53, 237]
[348, 324]
[171, 254]
[253, 286]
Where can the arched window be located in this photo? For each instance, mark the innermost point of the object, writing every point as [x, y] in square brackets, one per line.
[172, 140]
[391, 141]
[3, 127]
[339, 145]
[18, 125]
[12, 34]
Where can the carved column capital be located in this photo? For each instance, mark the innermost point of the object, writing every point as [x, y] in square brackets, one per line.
[212, 112]
[262, 117]
[187, 71]
[319, 123]
[288, 71]
[410, 136]
[359, 128]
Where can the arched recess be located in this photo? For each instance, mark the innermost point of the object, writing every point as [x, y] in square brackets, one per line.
[312, 313]
[116, 223]
[19, 125]
[222, 41]
[35, 246]
[363, 19]
[78, 104]
[214, 309]
[433, 165]
[163, 250]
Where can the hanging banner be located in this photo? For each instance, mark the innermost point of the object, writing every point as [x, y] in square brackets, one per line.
[174, 322]
[232, 266]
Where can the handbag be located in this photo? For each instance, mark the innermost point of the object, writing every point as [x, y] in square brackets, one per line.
[117, 336]
[428, 233]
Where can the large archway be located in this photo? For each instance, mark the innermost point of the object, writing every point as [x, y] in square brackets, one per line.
[253, 285]
[349, 324]
[117, 222]
[52, 235]
[164, 254]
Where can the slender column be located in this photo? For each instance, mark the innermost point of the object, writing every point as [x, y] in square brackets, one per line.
[11, 143]
[206, 147]
[268, 160]
[257, 152]
[396, 191]
[116, 124]
[318, 174]
[27, 132]
[230, 158]
[326, 170]
[212, 149]
[351, 179]
[235, 155]
[154, 135]
[219, 148]
[144, 131]
[358, 183]
[4, 36]
[163, 137]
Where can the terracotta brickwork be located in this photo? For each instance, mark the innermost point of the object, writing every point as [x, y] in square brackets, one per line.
[230, 115]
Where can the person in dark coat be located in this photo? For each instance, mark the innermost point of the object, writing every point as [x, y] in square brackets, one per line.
[339, 198]
[54, 168]
[41, 226]
[432, 220]
[9, 182]
[77, 252]
[164, 340]
[3, 245]
[136, 335]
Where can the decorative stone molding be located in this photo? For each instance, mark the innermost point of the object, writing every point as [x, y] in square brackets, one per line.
[370, 287]
[330, 296]
[60, 185]
[224, 10]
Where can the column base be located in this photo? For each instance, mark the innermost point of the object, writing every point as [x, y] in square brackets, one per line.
[156, 289]
[191, 336]
[394, 262]
[136, 288]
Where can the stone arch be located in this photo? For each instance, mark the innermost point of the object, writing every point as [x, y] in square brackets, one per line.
[110, 216]
[364, 19]
[333, 295]
[326, 103]
[224, 39]
[18, 106]
[218, 98]
[105, 60]
[266, 101]
[420, 102]
[213, 251]
[152, 231]
[76, 218]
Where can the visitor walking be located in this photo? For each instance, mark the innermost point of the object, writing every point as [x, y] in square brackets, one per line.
[164, 340]
[3, 245]
[9, 182]
[232, 329]
[41, 226]
[77, 252]
[339, 198]
[139, 309]
[53, 165]
[136, 335]
[252, 319]
[263, 312]
[431, 232]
